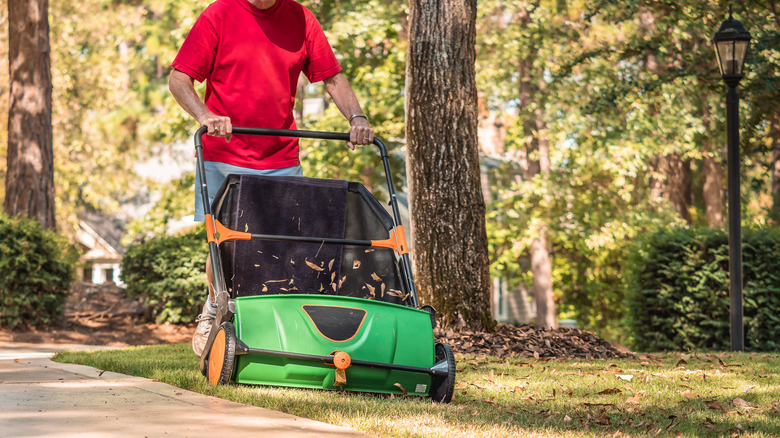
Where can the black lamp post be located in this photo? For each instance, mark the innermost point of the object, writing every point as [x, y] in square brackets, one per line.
[731, 46]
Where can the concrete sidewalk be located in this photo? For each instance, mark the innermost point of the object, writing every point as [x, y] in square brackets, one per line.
[41, 398]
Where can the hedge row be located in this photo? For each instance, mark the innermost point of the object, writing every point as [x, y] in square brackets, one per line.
[168, 275]
[36, 268]
[679, 293]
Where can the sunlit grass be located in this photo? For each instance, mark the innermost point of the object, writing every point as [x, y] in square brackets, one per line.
[665, 394]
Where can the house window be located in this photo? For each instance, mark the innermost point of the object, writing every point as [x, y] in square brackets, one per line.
[87, 274]
[109, 275]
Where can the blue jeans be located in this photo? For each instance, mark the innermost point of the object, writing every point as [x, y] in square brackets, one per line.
[216, 173]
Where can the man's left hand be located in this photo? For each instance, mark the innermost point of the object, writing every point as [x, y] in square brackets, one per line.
[360, 132]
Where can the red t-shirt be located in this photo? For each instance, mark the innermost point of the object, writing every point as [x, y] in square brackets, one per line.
[252, 59]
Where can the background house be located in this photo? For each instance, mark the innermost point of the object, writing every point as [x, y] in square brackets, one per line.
[99, 236]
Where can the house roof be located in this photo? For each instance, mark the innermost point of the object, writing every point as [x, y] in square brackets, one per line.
[107, 230]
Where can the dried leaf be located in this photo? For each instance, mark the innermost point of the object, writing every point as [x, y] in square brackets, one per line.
[715, 405]
[740, 403]
[313, 266]
[626, 377]
[356, 264]
[609, 391]
[566, 419]
[634, 400]
[375, 277]
[371, 290]
[401, 387]
[490, 402]
[681, 363]
[330, 265]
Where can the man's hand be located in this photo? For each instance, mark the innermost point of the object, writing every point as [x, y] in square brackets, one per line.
[219, 126]
[183, 89]
[360, 132]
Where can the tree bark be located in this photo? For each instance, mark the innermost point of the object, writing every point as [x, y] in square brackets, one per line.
[448, 209]
[674, 183]
[531, 106]
[712, 177]
[29, 186]
[774, 134]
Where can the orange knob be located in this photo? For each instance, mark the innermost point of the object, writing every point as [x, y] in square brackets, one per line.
[341, 360]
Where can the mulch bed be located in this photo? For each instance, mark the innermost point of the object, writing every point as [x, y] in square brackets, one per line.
[104, 315]
[527, 341]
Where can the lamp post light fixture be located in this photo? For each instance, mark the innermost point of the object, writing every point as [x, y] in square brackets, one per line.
[731, 45]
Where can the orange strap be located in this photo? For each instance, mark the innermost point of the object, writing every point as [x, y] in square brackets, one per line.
[222, 232]
[397, 241]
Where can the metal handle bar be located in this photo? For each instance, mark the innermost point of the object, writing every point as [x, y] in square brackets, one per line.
[321, 135]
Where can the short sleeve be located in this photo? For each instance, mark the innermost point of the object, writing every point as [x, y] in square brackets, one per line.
[197, 53]
[321, 62]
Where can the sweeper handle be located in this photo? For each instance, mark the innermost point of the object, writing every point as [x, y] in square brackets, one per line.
[316, 135]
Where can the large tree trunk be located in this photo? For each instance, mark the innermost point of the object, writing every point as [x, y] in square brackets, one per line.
[29, 184]
[674, 182]
[537, 154]
[448, 210]
[712, 176]
[774, 133]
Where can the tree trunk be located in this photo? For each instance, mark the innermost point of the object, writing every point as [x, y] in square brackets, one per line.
[537, 154]
[448, 209]
[712, 191]
[29, 184]
[674, 182]
[712, 177]
[774, 134]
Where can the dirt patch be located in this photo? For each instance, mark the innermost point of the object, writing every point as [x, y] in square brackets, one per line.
[103, 315]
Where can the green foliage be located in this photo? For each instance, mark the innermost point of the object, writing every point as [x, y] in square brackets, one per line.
[678, 292]
[167, 273]
[369, 42]
[37, 268]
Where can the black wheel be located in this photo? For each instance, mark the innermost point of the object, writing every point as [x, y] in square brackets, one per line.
[222, 355]
[432, 311]
[442, 387]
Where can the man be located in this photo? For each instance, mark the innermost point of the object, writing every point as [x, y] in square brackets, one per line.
[251, 53]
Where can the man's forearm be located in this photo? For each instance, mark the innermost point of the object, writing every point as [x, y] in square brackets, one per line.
[183, 90]
[343, 96]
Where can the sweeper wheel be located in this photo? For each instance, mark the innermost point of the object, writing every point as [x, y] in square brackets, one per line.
[222, 355]
[443, 387]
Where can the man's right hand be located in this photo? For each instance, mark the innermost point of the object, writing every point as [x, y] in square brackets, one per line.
[219, 126]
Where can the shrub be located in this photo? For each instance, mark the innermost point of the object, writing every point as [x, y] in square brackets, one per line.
[37, 267]
[679, 298]
[168, 274]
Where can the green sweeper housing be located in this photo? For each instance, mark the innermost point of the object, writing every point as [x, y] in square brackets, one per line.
[314, 288]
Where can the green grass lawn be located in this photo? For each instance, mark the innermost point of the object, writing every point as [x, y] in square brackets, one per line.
[719, 394]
